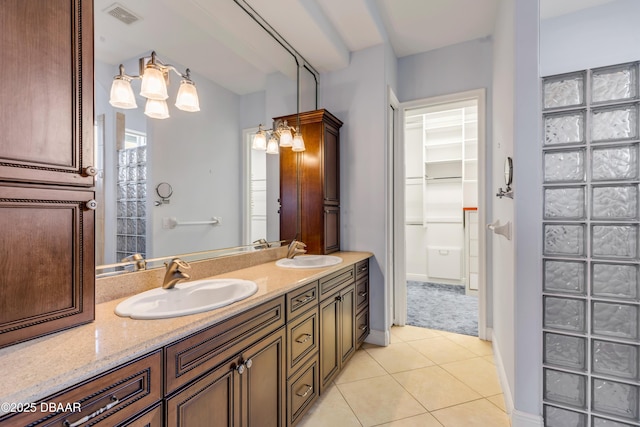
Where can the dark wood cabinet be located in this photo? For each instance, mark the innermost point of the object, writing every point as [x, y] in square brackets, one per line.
[46, 150]
[119, 397]
[47, 260]
[248, 390]
[310, 184]
[46, 91]
[337, 333]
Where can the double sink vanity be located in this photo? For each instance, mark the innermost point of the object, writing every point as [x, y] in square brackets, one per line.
[261, 360]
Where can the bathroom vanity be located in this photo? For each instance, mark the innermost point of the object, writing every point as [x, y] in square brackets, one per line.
[262, 361]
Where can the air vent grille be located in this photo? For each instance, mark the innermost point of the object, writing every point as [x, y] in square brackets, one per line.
[122, 14]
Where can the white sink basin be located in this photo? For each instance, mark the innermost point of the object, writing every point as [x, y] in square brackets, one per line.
[186, 298]
[309, 261]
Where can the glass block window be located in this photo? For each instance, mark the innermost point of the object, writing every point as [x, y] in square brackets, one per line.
[591, 248]
[132, 196]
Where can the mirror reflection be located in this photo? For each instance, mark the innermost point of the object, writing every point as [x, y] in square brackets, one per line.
[223, 194]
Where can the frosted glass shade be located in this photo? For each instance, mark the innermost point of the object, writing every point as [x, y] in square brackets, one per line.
[298, 143]
[156, 109]
[272, 146]
[259, 141]
[121, 95]
[286, 139]
[187, 99]
[153, 84]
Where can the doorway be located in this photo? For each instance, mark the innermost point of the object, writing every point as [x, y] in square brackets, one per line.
[441, 247]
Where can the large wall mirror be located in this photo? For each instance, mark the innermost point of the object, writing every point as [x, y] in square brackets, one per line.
[243, 76]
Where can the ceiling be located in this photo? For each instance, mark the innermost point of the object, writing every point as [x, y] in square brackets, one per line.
[218, 40]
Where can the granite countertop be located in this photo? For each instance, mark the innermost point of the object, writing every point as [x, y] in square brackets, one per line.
[38, 368]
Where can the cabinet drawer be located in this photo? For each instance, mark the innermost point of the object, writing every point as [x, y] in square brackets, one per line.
[362, 293]
[107, 400]
[302, 338]
[300, 300]
[362, 269]
[336, 280]
[302, 390]
[362, 326]
[193, 356]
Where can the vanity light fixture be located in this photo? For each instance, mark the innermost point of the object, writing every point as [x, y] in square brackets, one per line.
[282, 135]
[155, 78]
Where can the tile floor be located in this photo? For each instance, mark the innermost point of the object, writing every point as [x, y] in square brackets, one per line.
[424, 378]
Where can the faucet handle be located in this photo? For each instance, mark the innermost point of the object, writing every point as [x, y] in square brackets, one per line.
[178, 262]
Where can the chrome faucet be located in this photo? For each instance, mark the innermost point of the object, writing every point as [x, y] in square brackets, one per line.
[296, 248]
[173, 274]
[262, 244]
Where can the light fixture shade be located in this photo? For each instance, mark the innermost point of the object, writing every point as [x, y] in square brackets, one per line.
[153, 84]
[187, 99]
[259, 141]
[121, 93]
[156, 109]
[298, 142]
[286, 140]
[272, 146]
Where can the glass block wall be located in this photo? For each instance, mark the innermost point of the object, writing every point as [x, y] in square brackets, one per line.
[590, 254]
[131, 202]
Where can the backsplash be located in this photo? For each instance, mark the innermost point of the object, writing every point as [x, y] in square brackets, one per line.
[127, 284]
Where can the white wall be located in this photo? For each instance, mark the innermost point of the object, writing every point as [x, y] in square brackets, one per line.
[356, 95]
[590, 38]
[516, 263]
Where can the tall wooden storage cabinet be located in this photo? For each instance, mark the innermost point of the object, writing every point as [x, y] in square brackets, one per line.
[310, 182]
[46, 173]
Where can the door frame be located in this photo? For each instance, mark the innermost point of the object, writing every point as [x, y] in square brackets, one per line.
[397, 252]
[247, 135]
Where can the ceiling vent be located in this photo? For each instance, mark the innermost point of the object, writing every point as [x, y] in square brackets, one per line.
[122, 14]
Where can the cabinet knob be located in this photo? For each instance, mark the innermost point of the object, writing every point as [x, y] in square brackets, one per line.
[240, 369]
[91, 205]
[339, 298]
[248, 363]
[91, 171]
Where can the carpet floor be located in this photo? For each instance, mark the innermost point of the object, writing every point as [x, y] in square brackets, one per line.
[442, 307]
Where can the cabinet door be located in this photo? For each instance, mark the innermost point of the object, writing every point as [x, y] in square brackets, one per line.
[331, 229]
[264, 382]
[347, 323]
[46, 91]
[329, 339]
[212, 401]
[48, 261]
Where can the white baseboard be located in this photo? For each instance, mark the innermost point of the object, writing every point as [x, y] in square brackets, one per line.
[524, 419]
[417, 277]
[380, 338]
[518, 418]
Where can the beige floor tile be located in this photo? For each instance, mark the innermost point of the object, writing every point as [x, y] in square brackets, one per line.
[442, 350]
[379, 400]
[435, 388]
[498, 400]
[424, 420]
[330, 410]
[489, 359]
[412, 333]
[479, 413]
[477, 373]
[473, 344]
[399, 357]
[361, 366]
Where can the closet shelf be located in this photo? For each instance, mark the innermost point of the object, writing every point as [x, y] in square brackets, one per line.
[443, 161]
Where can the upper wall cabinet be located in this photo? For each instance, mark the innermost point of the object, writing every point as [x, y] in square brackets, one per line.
[46, 92]
[310, 184]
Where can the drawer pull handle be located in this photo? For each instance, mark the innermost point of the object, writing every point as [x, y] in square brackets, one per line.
[306, 298]
[363, 294]
[307, 391]
[363, 327]
[303, 338]
[114, 402]
[363, 269]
